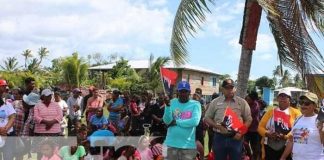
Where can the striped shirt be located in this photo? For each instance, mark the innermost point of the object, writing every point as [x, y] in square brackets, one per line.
[43, 112]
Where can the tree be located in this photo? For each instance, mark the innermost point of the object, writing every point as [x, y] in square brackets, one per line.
[152, 74]
[10, 65]
[264, 81]
[286, 79]
[33, 66]
[27, 54]
[42, 52]
[74, 70]
[298, 82]
[287, 19]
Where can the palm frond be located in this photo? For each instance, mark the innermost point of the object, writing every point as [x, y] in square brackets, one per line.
[313, 13]
[296, 49]
[190, 15]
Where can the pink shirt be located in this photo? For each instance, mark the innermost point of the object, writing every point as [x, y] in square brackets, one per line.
[42, 112]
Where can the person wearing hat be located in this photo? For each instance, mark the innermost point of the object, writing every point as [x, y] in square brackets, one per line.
[275, 126]
[227, 142]
[182, 118]
[47, 116]
[24, 120]
[7, 119]
[305, 141]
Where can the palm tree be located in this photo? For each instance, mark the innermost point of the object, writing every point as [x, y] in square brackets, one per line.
[33, 66]
[74, 70]
[286, 80]
[153, 73]
[42, 52]
[287, 19]
[10, 65]
[27, 54]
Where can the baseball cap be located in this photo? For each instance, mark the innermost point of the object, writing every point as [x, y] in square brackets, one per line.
[46, 92]
[76, 90]
[285, 91]
[311, 96]
[32, 99]
[228, 82]
[3, 82]
[183, 85]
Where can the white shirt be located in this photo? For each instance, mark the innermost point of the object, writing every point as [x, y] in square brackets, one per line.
[306, 138]
[62, 104]
[5, 111]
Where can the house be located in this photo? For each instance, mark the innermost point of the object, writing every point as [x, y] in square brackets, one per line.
[198, 77]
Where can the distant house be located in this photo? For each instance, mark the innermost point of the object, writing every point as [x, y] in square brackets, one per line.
[198, 77]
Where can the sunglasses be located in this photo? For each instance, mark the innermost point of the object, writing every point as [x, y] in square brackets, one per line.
[305, 103]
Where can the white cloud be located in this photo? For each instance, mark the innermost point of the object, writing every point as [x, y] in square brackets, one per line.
[265, 43]
[85, 26]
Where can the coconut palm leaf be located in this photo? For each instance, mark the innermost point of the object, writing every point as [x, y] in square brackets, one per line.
[296, 49]
[190, 15]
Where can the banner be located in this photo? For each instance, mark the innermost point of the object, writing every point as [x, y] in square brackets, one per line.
[281, 121]
[169, 80]
[232, 122]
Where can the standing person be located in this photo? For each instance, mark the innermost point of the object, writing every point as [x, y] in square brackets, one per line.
[274, 130]
[7, 119]
[305, 142]
[48, 116]
[72, 102]
[93, 103]
[252, 137]
[158, 126]
[227, 143]
[58, 99]
[30, 86]
[115, 106]
[85, 99]
[181, 117]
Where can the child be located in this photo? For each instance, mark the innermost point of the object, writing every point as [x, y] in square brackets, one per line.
[98, 121]
[144, 148]
[47, 149]
[76, 115]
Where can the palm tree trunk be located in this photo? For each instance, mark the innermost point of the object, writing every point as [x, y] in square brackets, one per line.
[244, 71]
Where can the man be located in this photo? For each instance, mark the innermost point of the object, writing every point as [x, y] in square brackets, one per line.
[158, 127]
[74, 100]
[181, 117]
[85, 99]
[115, 107]
[30, 86]
[227, 143]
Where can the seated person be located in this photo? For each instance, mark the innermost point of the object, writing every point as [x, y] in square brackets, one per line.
[98, 121]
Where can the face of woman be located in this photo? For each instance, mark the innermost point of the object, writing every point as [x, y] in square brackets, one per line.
[307, 107]
[284, 101]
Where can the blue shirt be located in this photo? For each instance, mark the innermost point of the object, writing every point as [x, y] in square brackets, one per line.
[187, 116]
[115, 104]
[98, 121]
[106, 136]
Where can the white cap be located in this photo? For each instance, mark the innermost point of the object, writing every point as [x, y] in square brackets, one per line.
[2, 142]
[46, 92]
[285, 91]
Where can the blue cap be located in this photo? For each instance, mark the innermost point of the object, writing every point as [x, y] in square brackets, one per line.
[183, 85]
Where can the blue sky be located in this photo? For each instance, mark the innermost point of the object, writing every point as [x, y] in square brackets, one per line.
[131, 28]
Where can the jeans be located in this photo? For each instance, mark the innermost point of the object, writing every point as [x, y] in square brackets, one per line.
[224, 147]
[181, 154]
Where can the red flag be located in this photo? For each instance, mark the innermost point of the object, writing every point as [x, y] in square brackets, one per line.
[232, 121]
[169, 79]
[282, 121]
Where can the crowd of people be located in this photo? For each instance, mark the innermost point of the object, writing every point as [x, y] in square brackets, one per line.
[39, 120]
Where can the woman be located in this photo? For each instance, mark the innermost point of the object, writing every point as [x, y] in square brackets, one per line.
[73, 152]
[94, 103]
[47, 117]
[275, 126]
[7, 119]
[252, 137]
[305, 142]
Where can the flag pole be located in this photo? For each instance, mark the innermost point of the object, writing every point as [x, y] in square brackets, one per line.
[162, 80]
